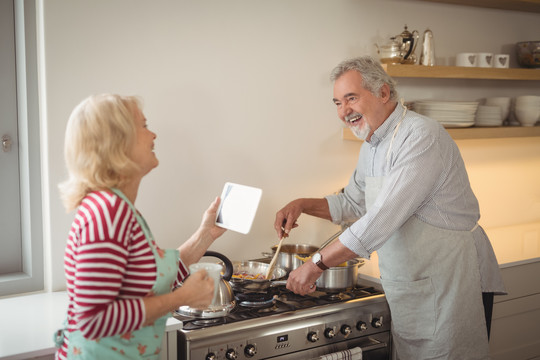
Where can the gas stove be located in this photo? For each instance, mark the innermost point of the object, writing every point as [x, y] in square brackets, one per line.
[291, 326]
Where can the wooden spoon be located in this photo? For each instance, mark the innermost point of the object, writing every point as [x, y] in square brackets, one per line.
[273, 262]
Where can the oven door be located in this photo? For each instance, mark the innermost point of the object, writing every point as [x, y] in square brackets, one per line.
[374, 347]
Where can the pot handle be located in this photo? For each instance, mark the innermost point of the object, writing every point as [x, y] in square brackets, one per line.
[278, 283]
[267, 254]
[228, 264]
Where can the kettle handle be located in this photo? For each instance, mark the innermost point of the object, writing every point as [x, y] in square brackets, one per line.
[228, 264]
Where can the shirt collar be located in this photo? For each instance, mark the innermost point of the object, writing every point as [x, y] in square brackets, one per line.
[387, 126]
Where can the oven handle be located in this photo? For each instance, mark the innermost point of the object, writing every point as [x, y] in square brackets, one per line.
[378, 345]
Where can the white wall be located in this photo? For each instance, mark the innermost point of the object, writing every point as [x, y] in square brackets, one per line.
[238, 91]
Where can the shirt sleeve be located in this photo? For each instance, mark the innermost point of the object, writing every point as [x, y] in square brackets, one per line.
[412, 176]
[104, 236]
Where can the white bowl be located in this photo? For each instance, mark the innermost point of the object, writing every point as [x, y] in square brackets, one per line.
[527, 117]
[502, 102]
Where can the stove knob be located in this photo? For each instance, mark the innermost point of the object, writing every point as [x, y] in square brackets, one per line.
[231, 355]
[211, 356]
[313, 337]
[329, 333]
[361, 326]
[346, 330]
[377, 323]
[250, 350]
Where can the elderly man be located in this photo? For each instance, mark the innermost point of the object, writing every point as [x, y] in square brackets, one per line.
[411, 201]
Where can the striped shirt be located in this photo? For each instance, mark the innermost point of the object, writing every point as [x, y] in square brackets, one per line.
[425, 176]
[109, 268]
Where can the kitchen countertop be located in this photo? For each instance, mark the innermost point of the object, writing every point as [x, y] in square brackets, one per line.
[29, 322]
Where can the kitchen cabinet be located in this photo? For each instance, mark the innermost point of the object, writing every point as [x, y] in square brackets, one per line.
[518, 5]
[516, 317]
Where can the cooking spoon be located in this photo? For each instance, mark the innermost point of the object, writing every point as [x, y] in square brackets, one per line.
[273, 262]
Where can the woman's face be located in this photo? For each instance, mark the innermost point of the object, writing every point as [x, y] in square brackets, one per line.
[143, 148]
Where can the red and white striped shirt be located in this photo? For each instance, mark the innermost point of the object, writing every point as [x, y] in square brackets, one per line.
[109, 268]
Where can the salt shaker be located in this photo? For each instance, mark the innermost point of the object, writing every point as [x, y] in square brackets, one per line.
[428, 51]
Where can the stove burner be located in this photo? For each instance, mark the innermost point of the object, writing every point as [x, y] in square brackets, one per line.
[258, 304]
[339, 297]
[208, 322]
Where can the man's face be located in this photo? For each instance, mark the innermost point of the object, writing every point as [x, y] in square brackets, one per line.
[356, 105]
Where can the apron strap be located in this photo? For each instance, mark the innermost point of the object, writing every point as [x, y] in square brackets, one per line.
[474, 228]
[396, 129]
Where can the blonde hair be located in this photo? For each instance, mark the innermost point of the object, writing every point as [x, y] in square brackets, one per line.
[99, 136]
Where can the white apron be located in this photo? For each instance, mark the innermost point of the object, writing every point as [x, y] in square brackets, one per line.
[431, 280]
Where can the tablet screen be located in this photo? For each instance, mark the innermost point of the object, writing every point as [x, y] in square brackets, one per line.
[238, 206]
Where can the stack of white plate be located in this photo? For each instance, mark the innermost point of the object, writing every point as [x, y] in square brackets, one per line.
[448, 113]
[487, 115]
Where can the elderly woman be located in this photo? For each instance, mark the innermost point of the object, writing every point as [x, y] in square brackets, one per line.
[118, 280]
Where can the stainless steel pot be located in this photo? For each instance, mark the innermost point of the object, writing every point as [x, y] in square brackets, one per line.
[340, 278]
[287, 258]
[255, 285]
[224, 301]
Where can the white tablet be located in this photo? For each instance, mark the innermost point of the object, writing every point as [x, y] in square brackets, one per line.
[238, 206]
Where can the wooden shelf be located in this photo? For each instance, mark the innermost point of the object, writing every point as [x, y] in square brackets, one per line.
[475, 133]
[459, 72]
[519, 5]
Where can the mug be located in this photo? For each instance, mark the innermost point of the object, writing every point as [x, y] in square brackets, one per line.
[501, 61]
[485, 59]
[213, 270]
[466, 59]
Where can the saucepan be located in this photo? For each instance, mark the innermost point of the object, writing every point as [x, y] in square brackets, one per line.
[340, 278]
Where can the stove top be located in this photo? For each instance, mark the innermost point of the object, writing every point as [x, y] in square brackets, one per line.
[283, 301]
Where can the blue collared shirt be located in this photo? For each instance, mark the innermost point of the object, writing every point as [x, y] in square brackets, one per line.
[425, 176]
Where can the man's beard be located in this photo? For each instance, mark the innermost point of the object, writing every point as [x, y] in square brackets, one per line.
[363, 131]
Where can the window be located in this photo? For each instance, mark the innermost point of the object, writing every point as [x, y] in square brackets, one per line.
[20, 182]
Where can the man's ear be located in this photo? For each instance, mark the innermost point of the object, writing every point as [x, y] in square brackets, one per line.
[385, 93]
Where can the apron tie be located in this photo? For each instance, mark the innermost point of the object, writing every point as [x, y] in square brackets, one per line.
[396, 129]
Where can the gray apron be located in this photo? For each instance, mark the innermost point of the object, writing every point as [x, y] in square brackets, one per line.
[431, 280]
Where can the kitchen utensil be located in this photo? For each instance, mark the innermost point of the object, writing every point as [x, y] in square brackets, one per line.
[528, 54]
[466, 59]
[223, 301]
[409, 40]
[501, 61]
[273, 262]
[485, 59]
[400, 48]
[427, 58]
[391, 52]
[331, 239]
[290, 255]
[260, 284]
[340, 278]
[503, 102]
[527, 109]
[213, 270]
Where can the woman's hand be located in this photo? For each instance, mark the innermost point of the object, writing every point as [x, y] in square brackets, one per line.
[209, 220]
[197, 291]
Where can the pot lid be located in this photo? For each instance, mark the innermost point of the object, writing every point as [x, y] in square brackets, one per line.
[405, 34]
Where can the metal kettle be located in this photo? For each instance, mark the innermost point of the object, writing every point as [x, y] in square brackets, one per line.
[400, 49]
[224, 301]
[408, 41]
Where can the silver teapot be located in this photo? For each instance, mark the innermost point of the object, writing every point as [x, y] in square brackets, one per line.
[400, 49]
